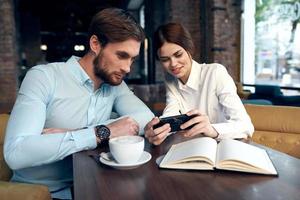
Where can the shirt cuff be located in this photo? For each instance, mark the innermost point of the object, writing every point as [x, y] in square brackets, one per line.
[226, 132]
[85, 138]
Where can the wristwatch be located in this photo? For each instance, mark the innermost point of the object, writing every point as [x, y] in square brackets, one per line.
[102, 132]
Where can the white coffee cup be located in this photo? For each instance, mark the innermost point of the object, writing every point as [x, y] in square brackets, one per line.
[127, 149]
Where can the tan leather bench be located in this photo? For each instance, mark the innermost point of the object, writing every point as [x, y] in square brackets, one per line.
[277, 127]
[16, 191]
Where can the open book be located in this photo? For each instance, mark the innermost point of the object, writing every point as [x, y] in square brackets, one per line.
[206, 154]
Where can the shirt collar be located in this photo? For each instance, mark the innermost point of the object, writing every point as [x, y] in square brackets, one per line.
[193, 80]
[77, 70]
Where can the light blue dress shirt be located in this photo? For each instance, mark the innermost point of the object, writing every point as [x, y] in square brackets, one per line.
[61, 95]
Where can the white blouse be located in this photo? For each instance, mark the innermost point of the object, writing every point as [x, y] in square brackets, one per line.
[212, 91]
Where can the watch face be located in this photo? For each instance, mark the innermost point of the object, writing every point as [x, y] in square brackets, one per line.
[103, 132]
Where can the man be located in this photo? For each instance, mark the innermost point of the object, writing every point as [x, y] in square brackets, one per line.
[57, 100]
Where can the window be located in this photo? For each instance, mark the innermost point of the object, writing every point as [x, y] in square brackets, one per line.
[271, 42]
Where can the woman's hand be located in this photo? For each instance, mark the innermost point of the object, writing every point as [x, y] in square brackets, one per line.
[201, 125]
[158, 135]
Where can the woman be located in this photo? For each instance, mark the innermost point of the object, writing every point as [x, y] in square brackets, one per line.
[205, 91]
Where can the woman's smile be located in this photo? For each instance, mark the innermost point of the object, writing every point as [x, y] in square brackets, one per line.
[176, 70]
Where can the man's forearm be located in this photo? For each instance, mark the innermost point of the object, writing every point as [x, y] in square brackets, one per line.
[28, 151]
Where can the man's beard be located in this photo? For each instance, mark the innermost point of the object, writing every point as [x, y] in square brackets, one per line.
[102, 73]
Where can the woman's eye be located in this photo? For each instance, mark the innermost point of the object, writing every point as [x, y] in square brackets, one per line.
[178, 55]
[164, 59]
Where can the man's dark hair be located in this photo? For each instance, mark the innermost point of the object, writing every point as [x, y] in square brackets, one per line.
[115, 25]
[173, 33]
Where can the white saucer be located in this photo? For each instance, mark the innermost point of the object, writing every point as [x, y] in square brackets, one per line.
[144, 158]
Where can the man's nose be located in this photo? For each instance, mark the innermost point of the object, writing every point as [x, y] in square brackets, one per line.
[126, 66]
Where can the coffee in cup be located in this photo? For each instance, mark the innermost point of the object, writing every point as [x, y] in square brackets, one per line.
[127, 149]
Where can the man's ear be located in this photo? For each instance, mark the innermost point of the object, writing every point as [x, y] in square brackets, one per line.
[95, 45]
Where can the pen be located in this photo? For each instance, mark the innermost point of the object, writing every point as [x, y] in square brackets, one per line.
[180, 112]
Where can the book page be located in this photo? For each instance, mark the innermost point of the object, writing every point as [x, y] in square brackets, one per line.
[191, 153]
[239, 156]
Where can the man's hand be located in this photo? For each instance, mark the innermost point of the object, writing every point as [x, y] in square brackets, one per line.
[123, 126]
[158, 135]
[201, 125]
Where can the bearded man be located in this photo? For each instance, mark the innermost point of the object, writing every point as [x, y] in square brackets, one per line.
[65, 107]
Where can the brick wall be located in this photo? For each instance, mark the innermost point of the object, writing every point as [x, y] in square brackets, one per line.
[8, 56]
[187, 12]
[226, 23]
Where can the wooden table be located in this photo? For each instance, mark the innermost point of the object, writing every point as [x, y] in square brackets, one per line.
[94, 181]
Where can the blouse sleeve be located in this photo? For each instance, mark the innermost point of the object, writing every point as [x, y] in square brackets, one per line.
[237, 122]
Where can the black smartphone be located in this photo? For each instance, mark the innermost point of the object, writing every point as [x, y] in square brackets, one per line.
[174, 121]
